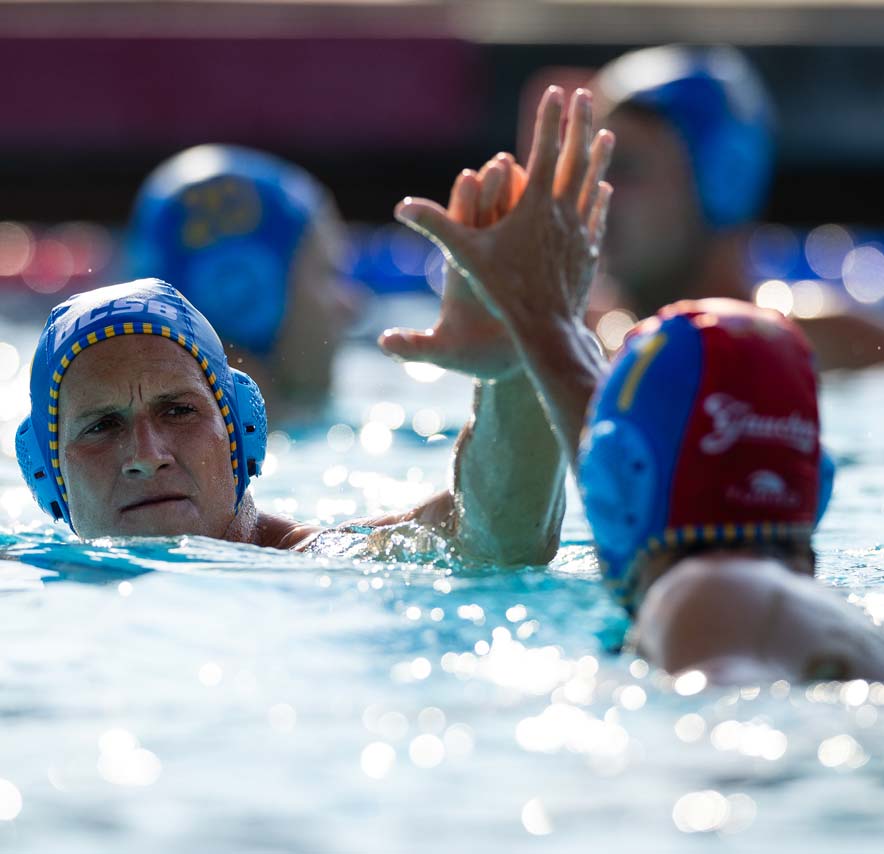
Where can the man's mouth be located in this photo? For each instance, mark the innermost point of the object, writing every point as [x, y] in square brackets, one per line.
[153, 501]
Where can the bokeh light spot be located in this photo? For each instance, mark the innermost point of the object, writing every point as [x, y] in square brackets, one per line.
[863, 274]
[613, 326]
[776, 295]
[10, 801]
[377, 760]
[826, 248]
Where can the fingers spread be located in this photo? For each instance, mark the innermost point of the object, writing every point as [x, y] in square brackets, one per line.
[430, 220]
[464, 198]
[545, 146]
[599, 159]
[410, 345]
[518, 181]
[504, 197]
[574, 160]
[493, 180]
[598, 217]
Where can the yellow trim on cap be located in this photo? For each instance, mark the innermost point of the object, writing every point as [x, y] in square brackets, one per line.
[649, 351]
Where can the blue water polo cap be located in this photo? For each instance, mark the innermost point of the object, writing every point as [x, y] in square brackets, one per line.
[223, 224]
[706, 432]
[718, 106]
[144, 307]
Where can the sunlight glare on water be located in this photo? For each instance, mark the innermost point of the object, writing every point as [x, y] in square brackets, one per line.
[187, 694]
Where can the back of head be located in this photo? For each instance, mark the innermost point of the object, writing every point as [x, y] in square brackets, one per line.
[224, 225]
[718, 106]
[706, 431]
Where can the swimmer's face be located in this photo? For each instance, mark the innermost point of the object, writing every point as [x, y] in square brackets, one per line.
[655, 226]
[322, 309]
[142, 444]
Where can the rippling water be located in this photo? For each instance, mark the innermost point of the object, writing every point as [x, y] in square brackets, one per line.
[189, 695]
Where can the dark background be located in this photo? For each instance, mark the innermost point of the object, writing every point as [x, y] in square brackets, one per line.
[382, 101]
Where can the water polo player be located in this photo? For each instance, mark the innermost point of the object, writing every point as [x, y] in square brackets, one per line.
[138, 426]
[692, 170]
[702, 473]
[254, 242]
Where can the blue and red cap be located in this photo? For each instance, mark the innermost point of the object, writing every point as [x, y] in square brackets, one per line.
[718, 106]
[144, 307]
[705, 432]
[224, 225]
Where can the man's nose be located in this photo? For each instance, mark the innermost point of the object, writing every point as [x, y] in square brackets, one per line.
[149, 450]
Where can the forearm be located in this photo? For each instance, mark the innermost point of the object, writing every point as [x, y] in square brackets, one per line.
[508, 484]
[565, 364]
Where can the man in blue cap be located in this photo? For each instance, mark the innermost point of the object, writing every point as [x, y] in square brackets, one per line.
[139, 426]
[255, 243]
[693, 168]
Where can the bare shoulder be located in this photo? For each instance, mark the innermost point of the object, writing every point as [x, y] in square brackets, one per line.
[757, 612]
[845, 341]
[277, 532]
[701, 610]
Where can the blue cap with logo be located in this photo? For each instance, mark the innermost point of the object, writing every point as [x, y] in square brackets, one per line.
[223, 224]
[144, 307]
[718, 106]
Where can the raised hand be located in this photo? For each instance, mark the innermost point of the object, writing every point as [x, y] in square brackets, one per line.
[539, 259]
[467, 337]
[533, 267]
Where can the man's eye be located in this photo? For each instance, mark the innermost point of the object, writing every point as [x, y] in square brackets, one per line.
[100, 426]
[181, 410]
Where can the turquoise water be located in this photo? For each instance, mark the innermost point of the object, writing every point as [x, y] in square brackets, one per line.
[189, 695]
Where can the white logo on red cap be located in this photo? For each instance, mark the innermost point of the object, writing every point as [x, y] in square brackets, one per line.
[733, 420]
[765, 488]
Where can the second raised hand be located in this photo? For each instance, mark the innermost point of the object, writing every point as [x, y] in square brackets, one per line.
[468, 337]
[540, 258]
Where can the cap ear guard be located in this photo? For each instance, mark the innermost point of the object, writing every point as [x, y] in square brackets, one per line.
[827, 483]
[253, 420]
[619, 482]
[39, 477]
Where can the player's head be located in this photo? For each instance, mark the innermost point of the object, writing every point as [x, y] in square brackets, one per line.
[253, 242]
[706, 432]
[134, 408]
[694, 154]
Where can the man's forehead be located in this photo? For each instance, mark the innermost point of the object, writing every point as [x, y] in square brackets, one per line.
[160, 362]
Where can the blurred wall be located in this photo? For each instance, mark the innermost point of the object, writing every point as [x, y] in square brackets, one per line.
[87, 109]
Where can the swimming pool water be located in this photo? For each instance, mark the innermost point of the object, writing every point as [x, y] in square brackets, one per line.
[190, 695]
